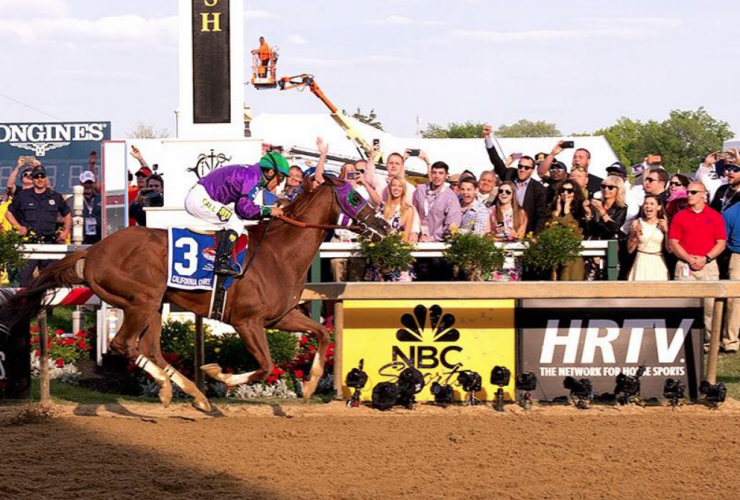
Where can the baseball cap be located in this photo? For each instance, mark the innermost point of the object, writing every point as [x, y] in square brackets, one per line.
[616, 168]
[144, 171]
[38, 169]
[558, 165]
[87, 176]
[539, 158]
[467, 174]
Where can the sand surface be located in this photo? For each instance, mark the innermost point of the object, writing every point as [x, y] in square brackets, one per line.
[286, 452]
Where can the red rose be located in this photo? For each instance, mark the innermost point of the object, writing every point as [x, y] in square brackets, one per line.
[304, 340]
[59, 362]
[68, 341]
[36, 353]
[311, 348]
[298, 374]
[59, 331]
[81, 344]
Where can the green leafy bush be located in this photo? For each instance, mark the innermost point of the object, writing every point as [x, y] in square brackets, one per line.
[552, 248]
[11, 251]
[474, 256]
[391, 255]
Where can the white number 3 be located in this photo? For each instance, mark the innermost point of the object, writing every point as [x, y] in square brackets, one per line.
[191, 256]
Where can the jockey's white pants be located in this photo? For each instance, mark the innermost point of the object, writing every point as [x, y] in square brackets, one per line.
[199, 204]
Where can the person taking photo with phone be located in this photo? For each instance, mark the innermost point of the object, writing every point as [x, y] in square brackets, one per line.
[581, 162]
[605, 213]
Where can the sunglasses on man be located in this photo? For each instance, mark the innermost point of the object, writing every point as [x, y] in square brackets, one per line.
[524, 167]
[39, 176]
[732, 168]
[694, 191]
[27, 174]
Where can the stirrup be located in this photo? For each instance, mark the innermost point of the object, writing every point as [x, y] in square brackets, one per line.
[226, 270]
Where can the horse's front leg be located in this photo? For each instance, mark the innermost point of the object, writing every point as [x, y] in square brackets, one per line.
[253, 336]
[296, 321]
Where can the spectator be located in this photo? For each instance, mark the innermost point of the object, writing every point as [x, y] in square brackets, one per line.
[155, 186]
[580, 178]
[34, 212]
[23, 166]
[677, 182]
[508, 223]
[656, 182]
[711, 171]
[508, 220]
[728, 194]
[568, 212]
[395, 167]
[487, 187]
[648, 238]
[454, 182]
[399, 214]
[697, 237]
[475, 216]
[91, 209]
[293, 183]
[136, 196]
[581, 161]
[606, 217]
[731, 215]
[558, 173]
[677, 201]
[438, 206]
[531, 195]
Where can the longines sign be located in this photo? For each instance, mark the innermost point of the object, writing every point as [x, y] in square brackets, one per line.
[42, 137]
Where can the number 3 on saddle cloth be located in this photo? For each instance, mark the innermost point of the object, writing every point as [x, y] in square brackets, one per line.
[191, 256]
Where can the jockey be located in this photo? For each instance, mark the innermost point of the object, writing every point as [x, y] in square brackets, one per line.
[213, 196]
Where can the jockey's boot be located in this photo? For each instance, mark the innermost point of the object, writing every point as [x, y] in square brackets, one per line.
[223, 254]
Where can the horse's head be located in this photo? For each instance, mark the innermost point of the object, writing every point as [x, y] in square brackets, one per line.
[354, 206]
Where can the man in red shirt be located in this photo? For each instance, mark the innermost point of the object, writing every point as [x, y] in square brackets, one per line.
[697, 237]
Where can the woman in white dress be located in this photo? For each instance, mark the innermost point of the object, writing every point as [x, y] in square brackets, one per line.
[648, 237]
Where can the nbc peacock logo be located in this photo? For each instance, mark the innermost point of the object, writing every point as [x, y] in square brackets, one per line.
[427, 327]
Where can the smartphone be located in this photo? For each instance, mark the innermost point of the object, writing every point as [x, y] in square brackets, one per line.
[517, 156]
[376, 144]
[567, 145]
[414, 152]
[654, 160]
[351, 175]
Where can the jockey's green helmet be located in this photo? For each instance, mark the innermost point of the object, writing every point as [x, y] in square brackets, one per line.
[276, 162]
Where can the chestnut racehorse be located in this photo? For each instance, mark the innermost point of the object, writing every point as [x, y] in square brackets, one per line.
[128, 270]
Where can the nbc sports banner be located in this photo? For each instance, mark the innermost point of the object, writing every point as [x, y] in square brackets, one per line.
[440, 338]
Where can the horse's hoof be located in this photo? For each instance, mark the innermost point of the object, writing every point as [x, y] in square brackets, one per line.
[213, 370]
[165, 394]
[203, 405]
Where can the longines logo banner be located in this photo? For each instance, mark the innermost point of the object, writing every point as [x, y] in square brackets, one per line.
[440, 338]
[62, 147]
[211, 61]
[599, 339]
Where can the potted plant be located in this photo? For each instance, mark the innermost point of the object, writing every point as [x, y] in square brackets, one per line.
[389, 259]
[555, 247]
[474, 257]
[11, 252]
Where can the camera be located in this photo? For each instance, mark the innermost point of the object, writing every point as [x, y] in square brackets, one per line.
[714, 393]
[674, 390]
[443, 394]
[385, 395]
[581, 391]
[628, 387]
[526, 381]
[410, 383]
[356, 379]
[500, 376]
[470, 381]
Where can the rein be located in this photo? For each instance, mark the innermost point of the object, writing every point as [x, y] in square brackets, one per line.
[306, 225]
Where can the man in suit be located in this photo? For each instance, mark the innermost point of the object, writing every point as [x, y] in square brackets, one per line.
[532, 195]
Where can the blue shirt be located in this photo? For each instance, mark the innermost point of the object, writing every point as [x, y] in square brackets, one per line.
[732, 225]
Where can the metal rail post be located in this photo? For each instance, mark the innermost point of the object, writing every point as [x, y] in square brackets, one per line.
[44, 380]
[338, 346]
[713, 358]
[200, 354]
[315, 277]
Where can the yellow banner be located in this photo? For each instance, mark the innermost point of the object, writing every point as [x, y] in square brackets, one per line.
[440, 338]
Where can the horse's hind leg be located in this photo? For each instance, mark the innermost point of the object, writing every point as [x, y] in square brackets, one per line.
[151, 347]
[296, 321]
[135, 321]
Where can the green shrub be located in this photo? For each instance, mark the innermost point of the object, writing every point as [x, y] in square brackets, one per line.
[474, 255]
[11, 252]
[552, 248]
[390, 255]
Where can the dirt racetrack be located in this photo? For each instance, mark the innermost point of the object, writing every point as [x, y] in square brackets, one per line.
[327, 452]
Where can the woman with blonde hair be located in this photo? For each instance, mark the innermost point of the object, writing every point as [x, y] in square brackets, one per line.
[607, 210]
[396, 210]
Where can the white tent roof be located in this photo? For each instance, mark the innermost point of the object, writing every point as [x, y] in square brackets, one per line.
[301, 130]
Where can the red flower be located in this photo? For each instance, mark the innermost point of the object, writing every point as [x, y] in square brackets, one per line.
[81, 335]
[81, 344]
[298, 374]
[68, 341]
[311, 348]
[59, 331]
[59, 362]
[304, 340]
[35, 328]
[271, 380]
[36, 353]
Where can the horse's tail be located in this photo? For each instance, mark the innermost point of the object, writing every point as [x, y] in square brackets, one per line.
[30, 301]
